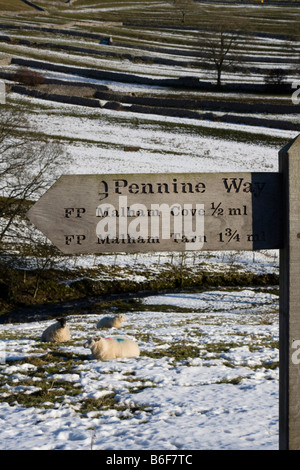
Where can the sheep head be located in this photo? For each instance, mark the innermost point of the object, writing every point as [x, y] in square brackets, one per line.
[89, 344]
[62, 321]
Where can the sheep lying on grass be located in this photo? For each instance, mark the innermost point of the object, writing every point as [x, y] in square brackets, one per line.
[111, 348]
[57, 332]
[111, 322]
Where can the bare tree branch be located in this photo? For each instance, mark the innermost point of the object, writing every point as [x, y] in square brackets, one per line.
[184, 7]
[220, 46]
[27, 164]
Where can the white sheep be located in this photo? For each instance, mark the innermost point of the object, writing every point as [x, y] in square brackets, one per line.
[111, 348]
[111, 322]
[57, 332]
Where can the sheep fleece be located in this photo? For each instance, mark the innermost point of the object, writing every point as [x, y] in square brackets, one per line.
[111, 348]
[55, 333]
[110, 322]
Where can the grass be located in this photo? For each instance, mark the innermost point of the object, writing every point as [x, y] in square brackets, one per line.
[48, 394]
[53, 391]
[49, 391]
[19, 287]
[109, 402]
[177, 351]
[14, 6]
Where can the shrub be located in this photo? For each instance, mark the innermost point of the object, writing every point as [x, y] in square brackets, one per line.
[28, 77]
[275, 77]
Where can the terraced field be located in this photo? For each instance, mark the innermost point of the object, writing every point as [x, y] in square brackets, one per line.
[154, 63]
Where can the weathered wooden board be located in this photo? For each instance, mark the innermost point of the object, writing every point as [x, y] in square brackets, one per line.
[2, 92]
[289, 343]
[161, 212]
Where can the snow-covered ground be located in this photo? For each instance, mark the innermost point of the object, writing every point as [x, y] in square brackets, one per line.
[223, 397]
[224, 393]
[96, 139]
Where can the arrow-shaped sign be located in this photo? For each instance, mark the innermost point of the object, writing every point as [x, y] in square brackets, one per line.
[161, 212]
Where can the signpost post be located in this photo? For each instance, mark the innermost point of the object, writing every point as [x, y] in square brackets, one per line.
[289, 300]
[133, 213]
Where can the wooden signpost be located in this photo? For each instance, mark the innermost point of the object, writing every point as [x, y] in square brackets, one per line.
[162, 212]
[133, 213]
[289, 300]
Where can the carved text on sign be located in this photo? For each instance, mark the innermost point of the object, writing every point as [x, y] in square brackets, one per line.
[161, 212]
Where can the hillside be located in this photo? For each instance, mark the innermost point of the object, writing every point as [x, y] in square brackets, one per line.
[112, 73]
[133, 87]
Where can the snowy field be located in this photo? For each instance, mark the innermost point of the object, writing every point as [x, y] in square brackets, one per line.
[207, 376]
[222, 395]
[95, 140]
